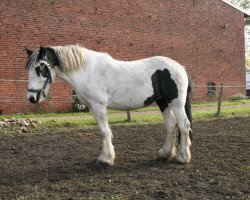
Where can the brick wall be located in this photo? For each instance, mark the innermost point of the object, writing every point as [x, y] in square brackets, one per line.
[206, 36]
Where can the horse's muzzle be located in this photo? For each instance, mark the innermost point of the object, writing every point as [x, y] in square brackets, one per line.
[32, 99]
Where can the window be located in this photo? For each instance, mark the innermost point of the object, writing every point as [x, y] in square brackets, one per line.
[211, 89]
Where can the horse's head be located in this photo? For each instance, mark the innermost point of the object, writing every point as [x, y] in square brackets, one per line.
[41, 74]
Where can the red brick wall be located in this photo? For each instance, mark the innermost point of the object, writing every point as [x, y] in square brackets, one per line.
[190, 31]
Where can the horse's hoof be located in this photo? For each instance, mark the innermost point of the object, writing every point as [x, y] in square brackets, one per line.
[103, 163]
[180, 160]
[162, 154]
[167, 156]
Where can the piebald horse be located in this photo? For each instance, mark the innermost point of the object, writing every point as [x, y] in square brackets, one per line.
[102, 82]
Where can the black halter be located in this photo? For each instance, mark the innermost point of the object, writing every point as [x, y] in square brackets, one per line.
[48, 80]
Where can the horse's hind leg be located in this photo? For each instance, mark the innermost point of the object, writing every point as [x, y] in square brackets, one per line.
[183, 154]
[108, 154]
[169, 149]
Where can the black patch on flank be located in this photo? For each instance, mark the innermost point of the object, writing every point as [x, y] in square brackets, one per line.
[165, 89]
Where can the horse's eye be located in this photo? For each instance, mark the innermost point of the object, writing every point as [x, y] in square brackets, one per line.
[44, 71]
[38, 71]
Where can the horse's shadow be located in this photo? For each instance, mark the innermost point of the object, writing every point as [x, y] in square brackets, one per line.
[87, 170]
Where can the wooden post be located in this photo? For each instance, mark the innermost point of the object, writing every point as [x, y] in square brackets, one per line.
[129, 116]
[219, 100]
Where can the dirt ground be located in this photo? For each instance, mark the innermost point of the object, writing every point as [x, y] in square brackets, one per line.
[62, 166]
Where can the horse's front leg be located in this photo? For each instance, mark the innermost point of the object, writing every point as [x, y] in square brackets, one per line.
[108, 154]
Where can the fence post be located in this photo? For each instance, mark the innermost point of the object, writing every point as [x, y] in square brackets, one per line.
[129, 116]
[219, 100]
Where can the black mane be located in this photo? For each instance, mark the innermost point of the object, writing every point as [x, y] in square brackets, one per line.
[51, 56]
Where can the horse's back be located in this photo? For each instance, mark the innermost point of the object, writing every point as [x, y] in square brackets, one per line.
[132, 83]
[175, 69]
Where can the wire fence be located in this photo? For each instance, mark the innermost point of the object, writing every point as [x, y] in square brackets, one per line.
[211, 92]
[13, 80]
[16, 101]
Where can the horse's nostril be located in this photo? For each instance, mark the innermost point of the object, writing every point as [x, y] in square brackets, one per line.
[32, 99]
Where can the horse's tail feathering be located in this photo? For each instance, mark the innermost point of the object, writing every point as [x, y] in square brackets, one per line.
[188, 109]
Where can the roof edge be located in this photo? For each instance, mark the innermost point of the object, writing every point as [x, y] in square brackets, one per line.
[246, 12]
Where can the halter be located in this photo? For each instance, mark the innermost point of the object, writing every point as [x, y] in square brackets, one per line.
[48, 79]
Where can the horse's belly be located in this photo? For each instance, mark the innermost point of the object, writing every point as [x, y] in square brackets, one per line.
[129, 98]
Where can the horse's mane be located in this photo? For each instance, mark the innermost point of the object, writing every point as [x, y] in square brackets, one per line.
[31, 60]
[70, 57]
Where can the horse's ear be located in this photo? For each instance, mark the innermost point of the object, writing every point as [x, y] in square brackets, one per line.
[28, 51]
[41, 54]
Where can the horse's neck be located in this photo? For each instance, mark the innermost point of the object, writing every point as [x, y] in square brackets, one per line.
[63, 76]
[74, 78]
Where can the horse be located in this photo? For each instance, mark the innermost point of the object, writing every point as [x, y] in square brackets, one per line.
[102, 82]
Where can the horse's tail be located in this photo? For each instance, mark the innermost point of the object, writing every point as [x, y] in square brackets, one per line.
[188, 112]
[188, 108]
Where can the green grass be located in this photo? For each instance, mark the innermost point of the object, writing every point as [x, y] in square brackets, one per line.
[140, 119]
[58, 125]
[39, 115]
[229, 112]
[149, 108]
[245, 168]
[225, 103]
